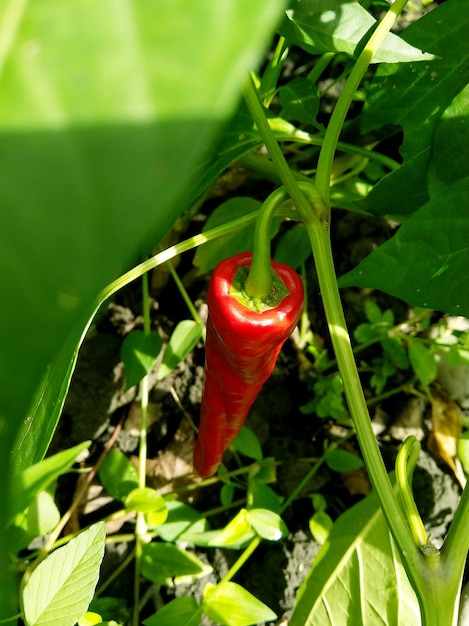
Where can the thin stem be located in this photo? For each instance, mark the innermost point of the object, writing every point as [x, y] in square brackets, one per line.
[183, 292]
[241, 560]
[329, 146]
[140, 523]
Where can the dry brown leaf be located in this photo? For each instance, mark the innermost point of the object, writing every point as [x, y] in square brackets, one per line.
[173, 468]
[443, 440]
[357, 482]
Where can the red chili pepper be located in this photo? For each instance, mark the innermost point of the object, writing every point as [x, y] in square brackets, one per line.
[241, 350]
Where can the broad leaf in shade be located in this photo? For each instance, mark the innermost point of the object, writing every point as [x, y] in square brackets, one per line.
[320, 26]
[425, 263]
[415, 96]
[105, 111]
[357, 577]
[450, 154]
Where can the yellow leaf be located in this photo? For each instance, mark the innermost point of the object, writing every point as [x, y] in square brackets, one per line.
[443, 440]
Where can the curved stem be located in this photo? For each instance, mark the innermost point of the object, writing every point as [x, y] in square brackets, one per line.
[405, 465]
[258, 284]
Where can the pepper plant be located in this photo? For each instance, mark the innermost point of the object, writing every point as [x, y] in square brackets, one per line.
[110, 124]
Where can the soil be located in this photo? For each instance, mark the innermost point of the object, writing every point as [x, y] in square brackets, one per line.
[97, 401]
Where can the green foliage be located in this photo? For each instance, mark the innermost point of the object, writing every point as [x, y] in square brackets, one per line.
[183, 610]
[139, 353]
[248, 444]
[60, 589]
[340, 26]
[229, 604]
[358, 554]
[110, 129]
[183, 340]
[166, 564]
[117, 474]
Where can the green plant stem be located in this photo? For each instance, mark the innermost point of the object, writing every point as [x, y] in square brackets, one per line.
[140, 523]
[405, 465]
[334, 127]
[182, 290]
[320, 66]
[317, 223]
[241, 560]
[258, 284]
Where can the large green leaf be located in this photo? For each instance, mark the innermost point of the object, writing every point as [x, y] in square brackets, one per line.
[60, 589]
[426, 261]
[415, 96]
[105, 110]
[340, 26]
[357, 577]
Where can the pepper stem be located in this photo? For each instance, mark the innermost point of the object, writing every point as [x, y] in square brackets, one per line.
[259, 281]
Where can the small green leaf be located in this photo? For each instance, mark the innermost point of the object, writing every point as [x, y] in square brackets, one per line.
[139, 353]
[118, 476]
[372, 311]
[268, 524]
[463, 451]
[146, 500]
[164, 562]
[264, 497]
[181, 518]
[184, 610]
[320, 525]
[60, 589]
[43, 514]
[342, 461]
[183, 339]
[248, 444]
[235, 531]
[229, 604]
[422, 361]
[36, 478]
[90, 619]
[226, 494]
[300, 101]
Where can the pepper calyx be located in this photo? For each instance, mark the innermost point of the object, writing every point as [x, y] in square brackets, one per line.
[278, 292]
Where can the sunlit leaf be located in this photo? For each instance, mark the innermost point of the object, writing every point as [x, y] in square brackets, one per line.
[184, 610]
[229, 604]
[36, 478]
[238, 529]
[339, 26]
[446, 429]
[146, 500]
[60, 589]
[183, 339]
[118, 475]
[357, 572]
[268, 524]
[320, 525]
[422, 361]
